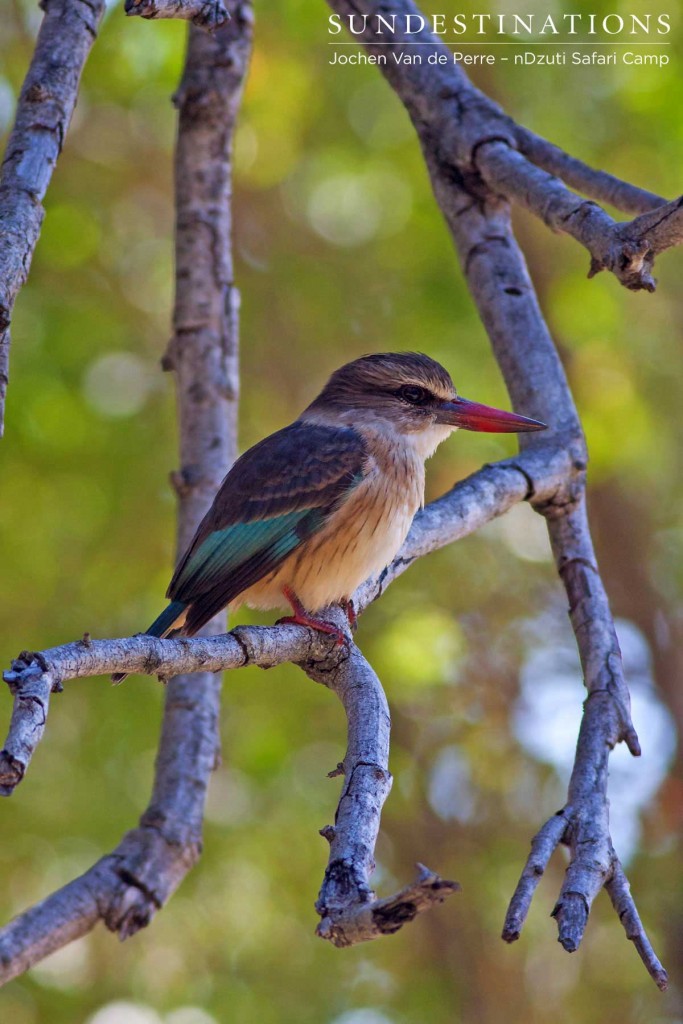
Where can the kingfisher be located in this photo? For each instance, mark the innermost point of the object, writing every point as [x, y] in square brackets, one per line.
[313, 510]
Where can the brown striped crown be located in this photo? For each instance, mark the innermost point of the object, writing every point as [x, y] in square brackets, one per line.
[379, 382]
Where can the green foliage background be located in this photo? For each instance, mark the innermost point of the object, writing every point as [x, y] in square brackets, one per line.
[340, 250]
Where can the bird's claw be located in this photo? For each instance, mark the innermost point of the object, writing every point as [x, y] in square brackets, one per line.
[349, 610]
[321, 625]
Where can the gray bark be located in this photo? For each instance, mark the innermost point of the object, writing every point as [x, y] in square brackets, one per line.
[126, 888]
[46, 103]
[206, 14]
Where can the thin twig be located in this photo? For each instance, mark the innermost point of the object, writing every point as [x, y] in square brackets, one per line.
[627, 249]
[594, 183]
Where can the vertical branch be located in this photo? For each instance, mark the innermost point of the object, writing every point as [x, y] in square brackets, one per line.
[44, 111]
[204, 354]
[126, 887]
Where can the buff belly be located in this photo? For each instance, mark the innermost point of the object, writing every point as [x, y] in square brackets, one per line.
[359, 539]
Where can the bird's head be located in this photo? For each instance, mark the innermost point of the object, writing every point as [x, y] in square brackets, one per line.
[411, 393]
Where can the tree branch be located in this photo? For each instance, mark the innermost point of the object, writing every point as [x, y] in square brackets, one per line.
[480, 148]
[590, 181]
[473, 502]
[628, 250]
[46, 103]
[479, 221]
[127, 887]
[349, 911]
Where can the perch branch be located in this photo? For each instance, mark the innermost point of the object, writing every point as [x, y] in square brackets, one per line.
[470, 504]
[44, 110]
[206, 14]
[495, 270]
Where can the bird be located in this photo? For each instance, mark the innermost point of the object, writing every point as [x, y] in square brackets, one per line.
[310, 512]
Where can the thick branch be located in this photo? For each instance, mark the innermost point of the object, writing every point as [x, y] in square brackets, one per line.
[127, 887]
[204, 356]
[46, 103]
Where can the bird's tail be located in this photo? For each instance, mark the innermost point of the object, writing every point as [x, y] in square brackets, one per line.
[171, 618]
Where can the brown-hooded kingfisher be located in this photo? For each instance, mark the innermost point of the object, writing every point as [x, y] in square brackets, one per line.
[313, 510]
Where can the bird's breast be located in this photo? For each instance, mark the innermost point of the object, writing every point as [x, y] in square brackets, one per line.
[358, 540]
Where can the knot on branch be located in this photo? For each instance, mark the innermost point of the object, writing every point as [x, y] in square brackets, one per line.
[11, 772]
[631, 261]
[564, 481]
[206, 14]
[132, 909]
[563, 501]
[365, 918]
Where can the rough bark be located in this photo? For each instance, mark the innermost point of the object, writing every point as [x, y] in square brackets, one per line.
[46, 103]
[206, 14]
[470, 151]
[127, 887]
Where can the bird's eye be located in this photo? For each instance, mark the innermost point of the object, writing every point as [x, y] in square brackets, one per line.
[413, 394]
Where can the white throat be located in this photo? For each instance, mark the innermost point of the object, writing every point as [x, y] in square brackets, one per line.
[425, 442]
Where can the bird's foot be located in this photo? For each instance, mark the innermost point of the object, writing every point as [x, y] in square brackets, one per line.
[301, 617]
[320, 624]
[349, 609]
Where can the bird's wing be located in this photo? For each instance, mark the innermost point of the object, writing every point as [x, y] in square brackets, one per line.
[276, 496]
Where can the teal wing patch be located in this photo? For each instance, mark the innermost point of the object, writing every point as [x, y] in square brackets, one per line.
[276, 496]
[224, 551]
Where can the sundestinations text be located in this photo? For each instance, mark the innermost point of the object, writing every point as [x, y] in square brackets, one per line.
[402, 25]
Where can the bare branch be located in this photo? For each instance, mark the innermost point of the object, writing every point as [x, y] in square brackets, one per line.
[349, 911]
[207, 14]
[543, 846]
[124, 890]
[470, 138]
[504, 295]
[590, 181]
[620, 893]
[46, 103]
[628, 250]
[494, 267]
[473, 502]
[127, 887]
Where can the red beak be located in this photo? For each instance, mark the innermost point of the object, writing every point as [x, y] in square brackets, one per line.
[473, 416]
